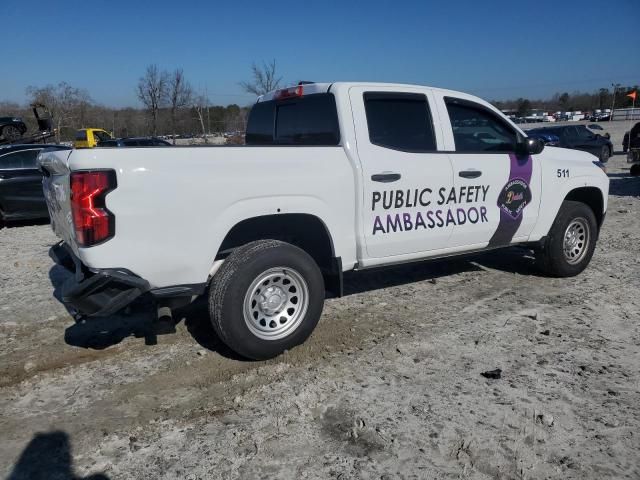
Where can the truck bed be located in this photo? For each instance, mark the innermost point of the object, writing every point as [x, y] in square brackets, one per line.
[173, 205]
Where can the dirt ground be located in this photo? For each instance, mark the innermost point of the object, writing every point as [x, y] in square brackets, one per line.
[389, 385]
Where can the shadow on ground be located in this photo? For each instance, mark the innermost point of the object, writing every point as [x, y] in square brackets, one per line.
[512, 260]
[48, 457]
[624, 184]
[142, 320]
[103, 332]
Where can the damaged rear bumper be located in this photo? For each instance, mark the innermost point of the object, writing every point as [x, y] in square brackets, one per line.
[96, 292]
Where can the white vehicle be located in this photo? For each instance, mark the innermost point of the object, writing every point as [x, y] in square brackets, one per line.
[335, 177]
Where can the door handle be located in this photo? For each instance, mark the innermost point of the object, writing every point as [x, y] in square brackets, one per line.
[470, 173]
[385, 177]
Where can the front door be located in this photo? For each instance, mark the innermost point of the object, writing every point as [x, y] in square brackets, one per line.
[497, 192]
[403, 174]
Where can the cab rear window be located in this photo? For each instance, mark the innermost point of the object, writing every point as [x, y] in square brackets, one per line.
[306, 120]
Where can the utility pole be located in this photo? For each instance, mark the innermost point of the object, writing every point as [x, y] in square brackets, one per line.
[206, 93]
[613, 103]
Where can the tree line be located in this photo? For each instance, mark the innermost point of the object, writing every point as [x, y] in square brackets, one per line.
[171, 106]
[576, 101]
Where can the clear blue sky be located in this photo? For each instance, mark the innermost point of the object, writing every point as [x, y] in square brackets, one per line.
[495, 49]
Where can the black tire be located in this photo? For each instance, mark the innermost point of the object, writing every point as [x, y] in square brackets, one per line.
[237, 276]
[635, 170]
[552, 259]
[605, 153]
[11, 132]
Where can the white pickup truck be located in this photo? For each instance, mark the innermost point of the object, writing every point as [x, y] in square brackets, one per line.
[334, 177]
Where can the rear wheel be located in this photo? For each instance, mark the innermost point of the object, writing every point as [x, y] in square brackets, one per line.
[11, 132]
[267, 297]
[571, 241]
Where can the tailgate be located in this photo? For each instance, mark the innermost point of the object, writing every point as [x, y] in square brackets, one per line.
[55, 166]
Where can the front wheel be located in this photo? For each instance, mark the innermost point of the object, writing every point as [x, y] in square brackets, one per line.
[267, 297]
[605, 154]
[571, 241]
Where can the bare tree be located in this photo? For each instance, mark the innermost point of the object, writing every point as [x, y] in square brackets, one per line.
[67, 104]
[200, 104]
[180, 93]
[264, 79]
[152, 92]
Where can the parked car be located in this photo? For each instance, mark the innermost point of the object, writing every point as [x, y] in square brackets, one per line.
[600, 117]
[90, 137]
[333, 179]
[598, 130]
[578, 137]
[135, 142]
[549, 139]
[12, 128]
[21, 195]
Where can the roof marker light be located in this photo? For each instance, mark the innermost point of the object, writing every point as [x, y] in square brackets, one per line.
[289, 92]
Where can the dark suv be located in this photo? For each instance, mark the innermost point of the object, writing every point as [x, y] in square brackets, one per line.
[134, 142]
[21, 195]
[12, 128]
[578, 137]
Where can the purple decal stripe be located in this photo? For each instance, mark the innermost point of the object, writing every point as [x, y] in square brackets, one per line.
[512, 200]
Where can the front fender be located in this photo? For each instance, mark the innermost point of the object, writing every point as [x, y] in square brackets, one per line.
[555, 192]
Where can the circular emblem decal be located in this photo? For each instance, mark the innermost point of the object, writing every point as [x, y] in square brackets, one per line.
[514, 196]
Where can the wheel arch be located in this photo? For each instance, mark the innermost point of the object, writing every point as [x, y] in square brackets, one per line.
[592, 197]
[304, 230]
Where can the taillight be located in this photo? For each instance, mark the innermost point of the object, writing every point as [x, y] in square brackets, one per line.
[92, 222]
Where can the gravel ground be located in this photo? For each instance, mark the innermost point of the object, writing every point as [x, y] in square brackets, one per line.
[389, 385]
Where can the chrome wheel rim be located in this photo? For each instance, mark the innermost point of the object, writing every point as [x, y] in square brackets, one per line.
[276, 302]
[576, 240]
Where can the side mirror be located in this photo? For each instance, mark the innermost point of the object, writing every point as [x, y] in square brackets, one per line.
[530, 146]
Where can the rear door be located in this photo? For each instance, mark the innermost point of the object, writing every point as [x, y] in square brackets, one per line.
[402, 171]
[21, 185]
[497, 192]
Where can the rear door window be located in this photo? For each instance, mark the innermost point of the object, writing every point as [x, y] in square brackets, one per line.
[81, 136]
[399, 121]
